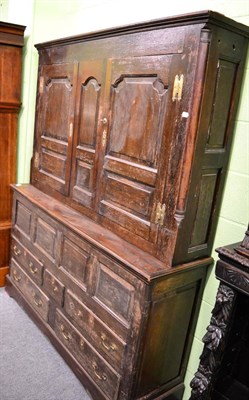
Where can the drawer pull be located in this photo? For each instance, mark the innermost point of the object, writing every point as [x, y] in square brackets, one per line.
[78, 313]
[66, 336]
[37, 302]
[17, 278]
[102, 377]
[55, 288]
[17, 251]
[32, 269]
[108, 347]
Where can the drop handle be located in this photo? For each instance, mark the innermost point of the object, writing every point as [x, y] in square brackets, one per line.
[104, 120]
[66, 335]
[101, 377]
[17, 252]
[16, 277]
[32, 268]
[108, 347]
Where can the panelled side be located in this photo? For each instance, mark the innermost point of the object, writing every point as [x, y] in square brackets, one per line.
[215, 133]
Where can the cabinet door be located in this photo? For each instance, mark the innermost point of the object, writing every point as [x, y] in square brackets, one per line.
[55, 125]
[89, 95]
[131, 185]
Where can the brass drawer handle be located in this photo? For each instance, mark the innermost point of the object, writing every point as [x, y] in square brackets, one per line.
[66, 336]
[55, 288]
[17, 278]
[17, 251]
[38, 301]
[32, 268]
[78, 313]
[110, 347]
[102, 377]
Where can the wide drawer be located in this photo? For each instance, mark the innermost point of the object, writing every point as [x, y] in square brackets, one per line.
[36, 298]
[31, 264]
[104, 340]
[100, 371]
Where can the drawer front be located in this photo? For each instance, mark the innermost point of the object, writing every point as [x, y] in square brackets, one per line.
[36, 298]
[31, 264]
[75, 257]
[113, 291]
[23, 218]
[103, 375]
[104, 340]
[54, 287]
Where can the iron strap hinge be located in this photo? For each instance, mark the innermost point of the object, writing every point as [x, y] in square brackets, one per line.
[160, 213]
[178, 86]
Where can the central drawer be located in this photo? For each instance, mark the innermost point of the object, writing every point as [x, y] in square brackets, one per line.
[104, 340]
[107, 379]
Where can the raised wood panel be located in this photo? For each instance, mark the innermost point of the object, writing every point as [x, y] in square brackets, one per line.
[23, 217]
[114, 293]
[165, 336]
[89, 90]
[204, 207]
[138, 97]
[10, 72]
[45, 238]
[55, 129]
[74, 260]
[226, 72]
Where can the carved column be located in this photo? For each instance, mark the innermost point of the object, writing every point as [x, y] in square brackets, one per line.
[214, 341]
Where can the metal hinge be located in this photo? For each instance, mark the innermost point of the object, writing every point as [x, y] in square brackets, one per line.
[160, 213]
[41, 84]
[177, 89]
[36, 160]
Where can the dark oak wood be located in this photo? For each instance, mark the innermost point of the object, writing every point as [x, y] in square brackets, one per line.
[112, 239]
[11, 42]
[114, 308]
[139, 144]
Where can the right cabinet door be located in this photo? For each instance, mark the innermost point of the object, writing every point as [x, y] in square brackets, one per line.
[136, 142]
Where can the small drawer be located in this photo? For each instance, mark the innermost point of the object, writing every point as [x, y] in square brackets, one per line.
[31, 264]
[101, 372]
[104, 340]
[35, 297]
[54, 287]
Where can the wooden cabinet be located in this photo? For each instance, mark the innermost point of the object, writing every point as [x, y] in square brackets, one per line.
[111, 309]
[112, 239]
[142, 138]
[11, 42]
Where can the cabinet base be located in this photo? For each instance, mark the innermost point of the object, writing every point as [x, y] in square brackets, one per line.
[175, 393]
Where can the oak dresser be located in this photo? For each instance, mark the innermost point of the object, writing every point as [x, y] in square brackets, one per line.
[112, 239]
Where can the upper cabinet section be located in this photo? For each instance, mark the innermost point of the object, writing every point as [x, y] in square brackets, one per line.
[133, 131]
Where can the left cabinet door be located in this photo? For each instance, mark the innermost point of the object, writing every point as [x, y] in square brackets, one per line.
[54, 130]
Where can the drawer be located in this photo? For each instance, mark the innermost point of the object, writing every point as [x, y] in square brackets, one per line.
[54, 287]
[104, 340]
[36, 298]
[95, 366]
[31, 264]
